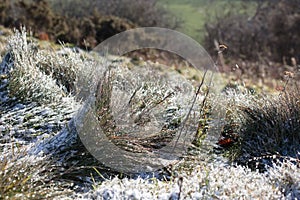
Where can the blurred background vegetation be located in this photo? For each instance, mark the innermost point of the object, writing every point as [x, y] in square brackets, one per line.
[262, 36]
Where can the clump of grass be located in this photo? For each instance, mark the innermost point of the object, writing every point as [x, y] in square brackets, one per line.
[148, 106]
[43, 76]
[264, 125]
[27, 82]
[26, 177]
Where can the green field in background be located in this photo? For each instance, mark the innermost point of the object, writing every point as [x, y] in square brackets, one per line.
[195, 13]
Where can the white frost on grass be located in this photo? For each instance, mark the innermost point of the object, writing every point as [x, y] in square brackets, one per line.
[208, 181]
[209, 178]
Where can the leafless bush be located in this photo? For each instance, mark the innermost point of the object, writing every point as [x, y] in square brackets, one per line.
[272, 33]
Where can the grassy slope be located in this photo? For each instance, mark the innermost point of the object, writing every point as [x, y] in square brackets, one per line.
[195, 13]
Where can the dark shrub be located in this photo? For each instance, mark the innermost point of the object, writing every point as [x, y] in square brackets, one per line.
[141, 12]
[273, 32]
[86, 32]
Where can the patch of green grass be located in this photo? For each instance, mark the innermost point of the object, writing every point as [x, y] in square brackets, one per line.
[196, 13]
[192, 17]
